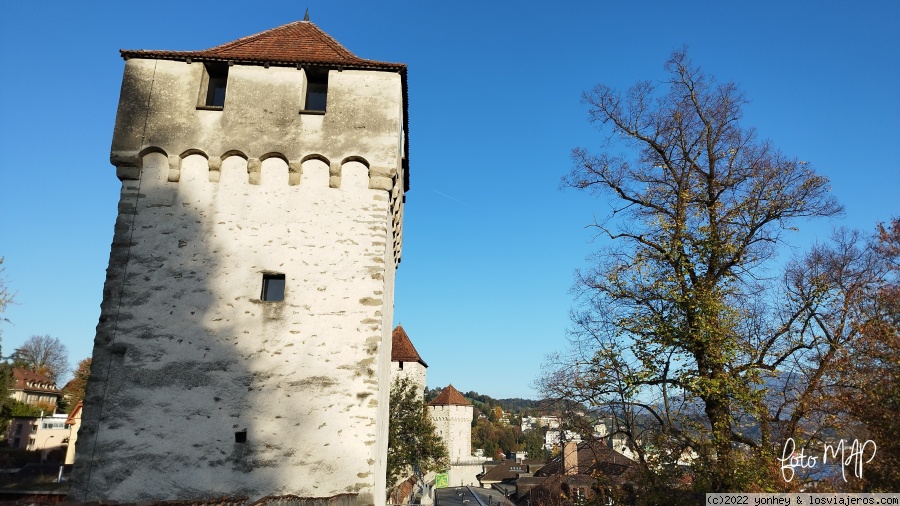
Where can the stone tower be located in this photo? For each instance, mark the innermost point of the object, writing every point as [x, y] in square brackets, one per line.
[243, 347]
[405, 360]
[452, 415]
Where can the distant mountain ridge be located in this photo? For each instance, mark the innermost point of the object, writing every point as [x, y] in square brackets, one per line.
[509, 405]
[514, 405]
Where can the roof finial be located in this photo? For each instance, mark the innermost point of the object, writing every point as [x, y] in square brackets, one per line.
[306, 16]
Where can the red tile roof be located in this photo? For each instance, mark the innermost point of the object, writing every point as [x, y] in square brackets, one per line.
[30, 380]
[594, 457]
[450, 396]
[402, 349]
[505, 471]
[75, 414]
[300, 42]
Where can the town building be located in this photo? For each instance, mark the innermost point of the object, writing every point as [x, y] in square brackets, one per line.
[35, 389]
[243, 346]
[539, 422]
[503, 475]
[46, 434]
[587, 472]
[73, 422]
[554, 438]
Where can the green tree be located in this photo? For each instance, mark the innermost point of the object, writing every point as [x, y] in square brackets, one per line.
[534, 444]
[496, 438]
[413, 445]
[669, 327]
[6, 402]
[16, 408]
[11, 408]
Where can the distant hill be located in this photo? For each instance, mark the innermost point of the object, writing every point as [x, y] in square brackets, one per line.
[512, 405]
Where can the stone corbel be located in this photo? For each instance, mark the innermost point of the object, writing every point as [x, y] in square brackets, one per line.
[215, 169]
[254, 169]
[381, 178]
[174, 168]
[295, 170]
[128, 165]
[334, 175]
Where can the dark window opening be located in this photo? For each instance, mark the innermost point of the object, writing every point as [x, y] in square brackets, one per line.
[240, 436]
[316, 90]
[401, 366]
[273, 287]
[217, 75]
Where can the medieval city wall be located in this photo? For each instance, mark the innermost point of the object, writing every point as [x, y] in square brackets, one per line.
[413, 371]
[454, 424]
[198, 385]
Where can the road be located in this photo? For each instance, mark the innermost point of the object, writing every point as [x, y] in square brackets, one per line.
[467, 496]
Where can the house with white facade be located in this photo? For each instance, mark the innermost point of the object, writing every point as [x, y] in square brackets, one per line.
[35, 389]
[49, 435]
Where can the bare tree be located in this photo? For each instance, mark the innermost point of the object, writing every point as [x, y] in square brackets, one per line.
[853, 332]
[670, 324]
[43, 354]
[6, 297]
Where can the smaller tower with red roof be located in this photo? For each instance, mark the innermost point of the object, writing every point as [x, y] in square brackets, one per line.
[405, 360]
[452, 415]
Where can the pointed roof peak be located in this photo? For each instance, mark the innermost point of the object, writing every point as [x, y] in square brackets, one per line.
[306, 16]
[295, 43]
[450, 396]
[402, 349]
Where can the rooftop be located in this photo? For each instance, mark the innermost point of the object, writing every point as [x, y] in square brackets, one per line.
[297, 43]
[450, 396]
[34, 381]
[402, 349]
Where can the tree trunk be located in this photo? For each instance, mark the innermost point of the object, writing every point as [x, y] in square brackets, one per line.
[718, 410]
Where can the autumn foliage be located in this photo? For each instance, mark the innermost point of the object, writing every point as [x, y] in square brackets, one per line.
[684, 333]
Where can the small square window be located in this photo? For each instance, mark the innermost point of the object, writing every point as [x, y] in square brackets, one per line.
[273, 288]
[215, 80]
[216, 95]
[316, 90]
[240, 436]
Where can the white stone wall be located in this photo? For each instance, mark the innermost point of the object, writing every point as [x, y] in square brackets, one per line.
[186, 353]
[73, 439]
[454, 424]
[466, 473]
[414, 371]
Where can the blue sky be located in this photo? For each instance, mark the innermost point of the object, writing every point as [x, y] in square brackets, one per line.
[490, 241]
